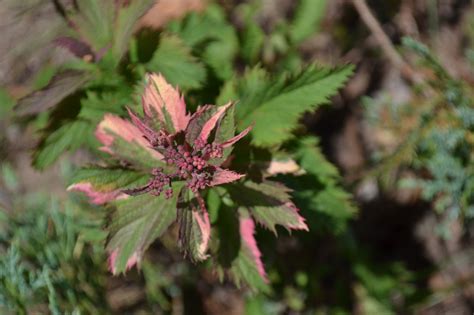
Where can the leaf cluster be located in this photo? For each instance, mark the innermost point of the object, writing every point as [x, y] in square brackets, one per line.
[213, 61]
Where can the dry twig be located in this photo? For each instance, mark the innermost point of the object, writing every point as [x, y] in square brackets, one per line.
[384, 42]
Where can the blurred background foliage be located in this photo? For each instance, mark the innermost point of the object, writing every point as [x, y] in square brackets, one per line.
[385, 180]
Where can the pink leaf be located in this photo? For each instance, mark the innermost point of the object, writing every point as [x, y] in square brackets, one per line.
[132, 261]
[233, 140]
[247, 231]
[112, 127]
[161, 99]
[223, 176]
[211, 123]
[146, 131]
[97, 197]
[300, 224]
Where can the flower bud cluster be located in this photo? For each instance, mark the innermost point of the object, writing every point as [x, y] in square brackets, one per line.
[199, 181]
[191, 164]
[158, 183]
[208, 150]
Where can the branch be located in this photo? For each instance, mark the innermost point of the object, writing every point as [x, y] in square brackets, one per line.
[384, 42]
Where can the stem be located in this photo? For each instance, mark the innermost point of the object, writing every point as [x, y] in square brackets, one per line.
[389, 50]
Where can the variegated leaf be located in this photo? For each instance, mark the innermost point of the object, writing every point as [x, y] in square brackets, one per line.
[102, 185]
[163, 102]
[124, 140]
[194, 226]
[269, 203]
[222, 176]
[136, 223]
[238, 256]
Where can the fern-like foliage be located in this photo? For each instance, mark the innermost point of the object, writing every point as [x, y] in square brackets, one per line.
[274, 105]
[438, 141]
[36, 245]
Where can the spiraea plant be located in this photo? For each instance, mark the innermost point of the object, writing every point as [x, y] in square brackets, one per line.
[180, 156]
[157, 167]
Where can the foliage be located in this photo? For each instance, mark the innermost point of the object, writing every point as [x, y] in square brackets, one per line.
[52, 258]
[198, 54]
[274, 176]
[438, 146]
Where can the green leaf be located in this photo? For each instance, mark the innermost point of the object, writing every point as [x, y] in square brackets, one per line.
[109, 179]
[335, 202]
[137, 222]
[213, 204]
[269, 203]
[276, 106]
[308, 16]
[124, 25]
[220, 54]
[68, 137]
[173, 59]
[95, 22]
[309, 156]
[252, 42]
[318, 190]
[95, 105]
[252, 36]
[211, 34]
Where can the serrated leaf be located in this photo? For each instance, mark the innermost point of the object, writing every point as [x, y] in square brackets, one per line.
[247, 234]
[214, 36]
[211, 123]
[310, 158]
[220, 54]
[95, 105]
[223, 176]
[125, 22]
[163, 104]
[194, 226]
[122, 139]
[335, 202]
[108, 179]
[252, 37]
[203, 121]
[174, 60]
[275, 105]
[68, 137]
[269, 203]
[137, 222]
[237, 254]
[95, 21]
[225, 126]
[224, 131]
[306, 20]
[62, 85]
[318, 190]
